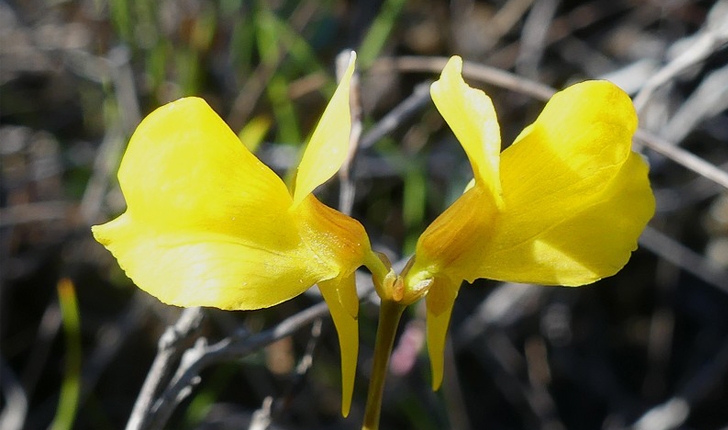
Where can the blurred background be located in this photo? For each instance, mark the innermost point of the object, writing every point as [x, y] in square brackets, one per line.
[645, 349]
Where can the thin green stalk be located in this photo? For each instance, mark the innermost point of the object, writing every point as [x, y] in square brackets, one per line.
[379, 32]
[71, 386]
[389, 315]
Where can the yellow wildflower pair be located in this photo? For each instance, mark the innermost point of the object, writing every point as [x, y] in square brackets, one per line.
[207, 224]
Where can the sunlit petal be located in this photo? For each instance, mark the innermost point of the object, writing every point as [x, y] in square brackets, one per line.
[575, 199]
[576, 196]
[471, 116]
[185, 167]
[574, 243]
[575, 147]
[207, 224]
[329, 144]
[194, 268]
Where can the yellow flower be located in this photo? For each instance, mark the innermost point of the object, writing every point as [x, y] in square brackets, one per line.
[563, 205]
[208, 224]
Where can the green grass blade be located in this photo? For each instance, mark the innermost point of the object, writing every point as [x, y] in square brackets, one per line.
[379, 32]
[71, 386]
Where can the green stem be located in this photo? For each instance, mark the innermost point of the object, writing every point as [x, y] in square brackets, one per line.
[389, 315]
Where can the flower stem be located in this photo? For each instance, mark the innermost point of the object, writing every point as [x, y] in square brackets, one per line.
[390, 313]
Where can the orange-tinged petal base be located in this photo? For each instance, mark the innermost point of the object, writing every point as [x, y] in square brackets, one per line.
[457, 235]
[336, 239]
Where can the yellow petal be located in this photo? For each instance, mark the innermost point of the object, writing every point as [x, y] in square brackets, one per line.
[574, 243]
[440, 302]
[455, 237]
[340, 242]
[576, 196]
[575, 200]
[336, 240]
[471, 116]
[340, 295]
[195, 268]
[207, 223]
[574, 148]
[185, 167]
[329, 144]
